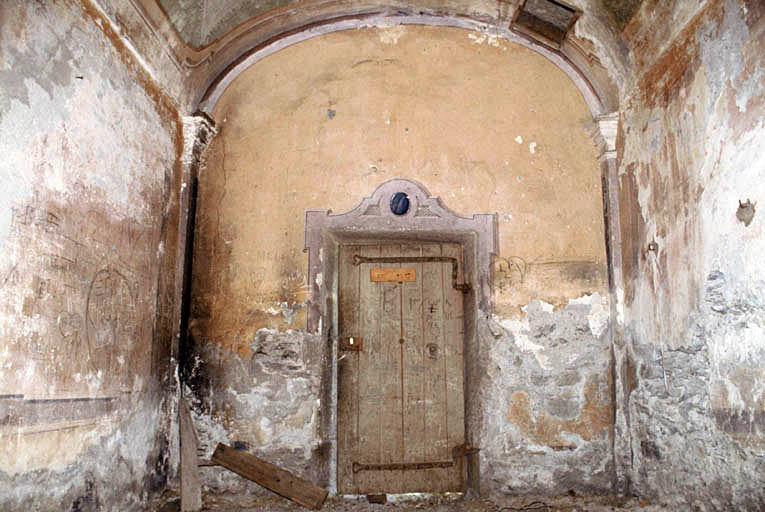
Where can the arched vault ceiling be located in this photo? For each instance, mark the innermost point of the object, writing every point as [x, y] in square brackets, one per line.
[208, 39]
[201, 22]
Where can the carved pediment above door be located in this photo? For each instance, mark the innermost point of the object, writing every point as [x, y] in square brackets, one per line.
[400, 210]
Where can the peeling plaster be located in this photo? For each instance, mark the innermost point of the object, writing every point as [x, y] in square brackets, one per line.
[87, 148]
[693, 366]
[547, 373]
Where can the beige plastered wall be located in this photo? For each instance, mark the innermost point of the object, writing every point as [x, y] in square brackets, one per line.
[487, 125]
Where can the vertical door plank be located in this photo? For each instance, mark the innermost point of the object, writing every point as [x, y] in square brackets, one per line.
[435, 447]
[347, 368]
[392, 439]
[454, 359]
[414, 350]
[370, 393]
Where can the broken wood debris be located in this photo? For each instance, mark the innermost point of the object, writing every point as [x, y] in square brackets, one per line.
[271, 477]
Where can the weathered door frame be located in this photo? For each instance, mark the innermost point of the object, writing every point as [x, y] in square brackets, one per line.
[373, 221]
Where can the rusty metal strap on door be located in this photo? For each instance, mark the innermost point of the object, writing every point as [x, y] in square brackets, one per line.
[463, 287]
[458, 451]
[357, 466]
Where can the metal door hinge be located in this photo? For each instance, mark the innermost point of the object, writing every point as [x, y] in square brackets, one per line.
[458, 451]
[462, 450]
[357, 466]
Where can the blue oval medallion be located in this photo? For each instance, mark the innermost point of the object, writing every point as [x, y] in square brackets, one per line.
[399, 203]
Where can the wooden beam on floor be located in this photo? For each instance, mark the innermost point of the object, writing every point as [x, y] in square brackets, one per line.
[191, 487]
[271, 477]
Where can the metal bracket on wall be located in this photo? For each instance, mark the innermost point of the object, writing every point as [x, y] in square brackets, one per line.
[463, 287]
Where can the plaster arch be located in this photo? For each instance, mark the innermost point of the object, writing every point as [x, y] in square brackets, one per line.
[596, 102]
[259, 118]
[603, 107]
[214, 67]
[596, 45]
[602, 131]
[594, 55]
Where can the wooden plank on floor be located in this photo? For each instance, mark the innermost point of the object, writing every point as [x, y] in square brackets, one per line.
[271, 477]
[191, 487]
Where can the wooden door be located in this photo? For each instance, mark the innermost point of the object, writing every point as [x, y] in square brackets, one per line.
[400, 369]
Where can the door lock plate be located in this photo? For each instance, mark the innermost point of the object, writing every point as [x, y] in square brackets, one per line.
[353, 343]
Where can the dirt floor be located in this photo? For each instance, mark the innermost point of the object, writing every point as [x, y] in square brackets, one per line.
[273, 503]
